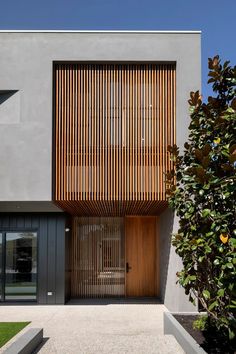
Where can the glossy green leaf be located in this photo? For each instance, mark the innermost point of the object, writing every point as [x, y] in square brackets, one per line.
[230, 265]
[220, 292]
[213, 305]
[206, 212]
[206, 294]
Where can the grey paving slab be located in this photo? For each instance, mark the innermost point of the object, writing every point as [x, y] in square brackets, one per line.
[100, 328]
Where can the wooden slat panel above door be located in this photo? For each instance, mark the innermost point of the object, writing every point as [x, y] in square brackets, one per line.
[113, 123]
[115, 208]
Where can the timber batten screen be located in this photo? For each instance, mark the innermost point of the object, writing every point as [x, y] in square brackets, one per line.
[97, 257]
[113, 123]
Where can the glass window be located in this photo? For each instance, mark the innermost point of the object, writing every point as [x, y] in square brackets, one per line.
[21, 266]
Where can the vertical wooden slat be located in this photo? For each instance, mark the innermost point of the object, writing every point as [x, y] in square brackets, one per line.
[117, 131]
[138, 190]
[122, 142]
[83, 133]
[152, 134]
[79, 135]
[70, 138]
[75, 147]
[87, 132]
[90, 130]
[91, 153]
[160, 129]
[95, 135]
[134, 101]
[109, 117]
[146, 139]
[155, 123]
[102, 132]
[57, 120]
[63, 136]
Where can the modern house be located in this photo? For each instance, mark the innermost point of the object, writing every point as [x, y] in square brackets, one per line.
[85, 121]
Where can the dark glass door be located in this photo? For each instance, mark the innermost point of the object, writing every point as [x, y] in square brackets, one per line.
[20, 273]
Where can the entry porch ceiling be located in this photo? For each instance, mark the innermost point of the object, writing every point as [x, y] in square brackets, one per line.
[112, 208]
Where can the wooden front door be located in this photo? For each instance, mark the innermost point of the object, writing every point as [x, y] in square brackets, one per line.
[141, 256]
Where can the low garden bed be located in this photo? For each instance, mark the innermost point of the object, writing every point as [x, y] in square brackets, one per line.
[210, 340]
[9, 330]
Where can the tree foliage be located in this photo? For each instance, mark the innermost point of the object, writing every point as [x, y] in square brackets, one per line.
[202, 191]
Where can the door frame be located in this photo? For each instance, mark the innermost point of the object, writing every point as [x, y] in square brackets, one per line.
[3, 265]
[157, 260]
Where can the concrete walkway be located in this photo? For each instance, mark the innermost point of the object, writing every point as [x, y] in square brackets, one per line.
[97, 328]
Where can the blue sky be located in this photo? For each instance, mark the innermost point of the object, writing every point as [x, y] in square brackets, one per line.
[216, 20]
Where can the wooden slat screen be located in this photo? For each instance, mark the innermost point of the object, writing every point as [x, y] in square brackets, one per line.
[113, 208]
[113, 123]
[97, 258]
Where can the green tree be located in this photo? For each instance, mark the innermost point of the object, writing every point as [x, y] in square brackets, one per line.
[202, 191]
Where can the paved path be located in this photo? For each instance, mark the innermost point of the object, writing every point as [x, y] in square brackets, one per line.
[100, 329]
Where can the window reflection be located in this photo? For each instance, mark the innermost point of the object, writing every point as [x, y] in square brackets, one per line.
[21, 266]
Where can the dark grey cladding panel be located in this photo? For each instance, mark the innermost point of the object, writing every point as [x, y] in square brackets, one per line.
[51, 251]
[60, 262]
[43, 260]
[52, 242]
[19, 221]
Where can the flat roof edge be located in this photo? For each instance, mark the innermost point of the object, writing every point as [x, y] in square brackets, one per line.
[101, 31]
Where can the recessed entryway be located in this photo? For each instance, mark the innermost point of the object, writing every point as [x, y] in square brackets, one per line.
[114, 257]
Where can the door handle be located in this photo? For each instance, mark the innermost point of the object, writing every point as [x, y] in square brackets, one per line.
[128, 267]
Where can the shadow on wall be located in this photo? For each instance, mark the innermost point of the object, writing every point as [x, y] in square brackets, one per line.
[114, 301]
[166, 223]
